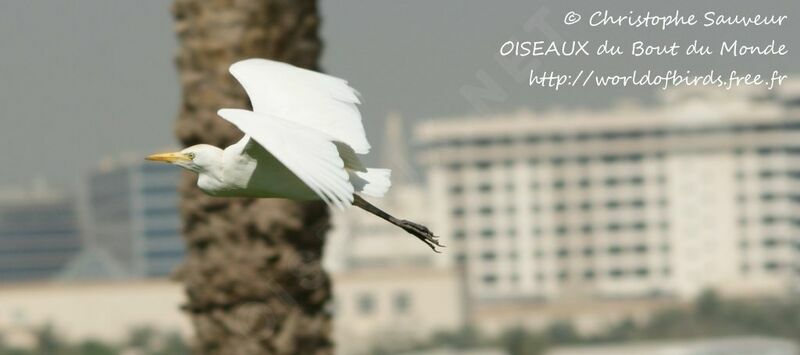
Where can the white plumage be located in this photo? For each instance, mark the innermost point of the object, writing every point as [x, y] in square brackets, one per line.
[323, 102]
[302, 142]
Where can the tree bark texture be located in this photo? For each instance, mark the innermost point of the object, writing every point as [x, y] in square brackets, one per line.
[253, 273]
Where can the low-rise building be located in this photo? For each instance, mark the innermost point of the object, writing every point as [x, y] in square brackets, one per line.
[40, 232]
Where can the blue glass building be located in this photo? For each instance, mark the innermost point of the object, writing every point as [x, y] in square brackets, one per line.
[39, 234]
[135, 217]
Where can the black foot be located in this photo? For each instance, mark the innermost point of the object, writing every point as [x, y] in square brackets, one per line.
[423, 233]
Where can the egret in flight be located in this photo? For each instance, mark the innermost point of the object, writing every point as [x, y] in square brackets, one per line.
[301, 141]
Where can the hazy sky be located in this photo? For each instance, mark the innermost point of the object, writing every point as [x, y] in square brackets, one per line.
[83, 80]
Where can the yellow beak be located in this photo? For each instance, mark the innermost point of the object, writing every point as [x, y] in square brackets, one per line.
[170, 157]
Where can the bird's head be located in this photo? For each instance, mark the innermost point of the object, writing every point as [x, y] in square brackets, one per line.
[198, 158]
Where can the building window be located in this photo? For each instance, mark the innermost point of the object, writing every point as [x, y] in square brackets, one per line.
[402, 302]
[771, 266]
[485, 187]
[454, 143]
[482, 142]
[612, 182]
[764, 151]
[489, 279]
[366, 304]
[489, 256]
[609, 159]
[460, 234]
[614, 227]
[454, 166]
[456, 190]
[486, 210]
[487, 233]
[483, 165]
[770, 242]
[768, 220]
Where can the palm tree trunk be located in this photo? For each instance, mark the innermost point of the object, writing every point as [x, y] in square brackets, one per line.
[253, 273]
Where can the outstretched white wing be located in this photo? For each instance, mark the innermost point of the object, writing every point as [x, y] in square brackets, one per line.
[315, 100]
[309, 154]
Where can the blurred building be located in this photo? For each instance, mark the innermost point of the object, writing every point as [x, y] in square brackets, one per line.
[448, 351]
[106, 311]
[697, 192]
[389, 287]
[714, 346]
[393, 307]
[39, 233]
[134, 215]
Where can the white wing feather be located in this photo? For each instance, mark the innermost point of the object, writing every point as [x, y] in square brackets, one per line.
[312, 99]
[310, 155]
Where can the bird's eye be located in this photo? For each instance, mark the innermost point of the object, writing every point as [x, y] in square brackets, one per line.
[190, 155]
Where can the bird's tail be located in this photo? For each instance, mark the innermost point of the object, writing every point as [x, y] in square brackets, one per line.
[372, 182]
[417, 230]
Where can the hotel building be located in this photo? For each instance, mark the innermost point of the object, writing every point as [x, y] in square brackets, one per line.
[700, 191]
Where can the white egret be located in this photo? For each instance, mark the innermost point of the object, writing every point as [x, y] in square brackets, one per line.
[301, 141]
